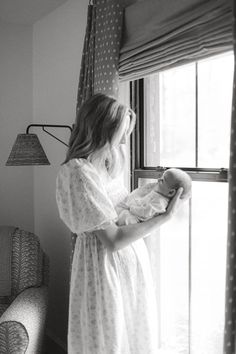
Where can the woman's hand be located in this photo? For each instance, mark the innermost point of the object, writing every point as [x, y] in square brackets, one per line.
[174, 203]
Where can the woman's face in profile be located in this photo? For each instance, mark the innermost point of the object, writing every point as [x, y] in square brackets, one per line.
[121, 136]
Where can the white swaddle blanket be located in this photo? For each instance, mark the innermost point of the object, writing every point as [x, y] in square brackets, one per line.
[142, 204]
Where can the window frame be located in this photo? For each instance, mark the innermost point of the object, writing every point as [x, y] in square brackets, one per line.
[138, 170]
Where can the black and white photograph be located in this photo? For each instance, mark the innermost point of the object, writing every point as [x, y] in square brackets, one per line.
[117, 177]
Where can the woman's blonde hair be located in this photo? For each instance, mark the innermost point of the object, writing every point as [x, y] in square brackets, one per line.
[97, 122]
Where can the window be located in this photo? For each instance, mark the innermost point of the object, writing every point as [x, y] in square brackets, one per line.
[183, 121]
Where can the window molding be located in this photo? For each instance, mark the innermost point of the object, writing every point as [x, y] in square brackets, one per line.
[196, 174]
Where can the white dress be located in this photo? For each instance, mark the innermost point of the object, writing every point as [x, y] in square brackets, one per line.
[112, 307]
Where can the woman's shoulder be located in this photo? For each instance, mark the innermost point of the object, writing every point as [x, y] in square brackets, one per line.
[78, 169]
[79, 165]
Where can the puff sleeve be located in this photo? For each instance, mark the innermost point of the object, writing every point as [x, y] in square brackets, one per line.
[81, 197]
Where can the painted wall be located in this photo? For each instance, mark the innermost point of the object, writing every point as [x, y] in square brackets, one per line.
[57, 49]
[16, 112]
[39, 72]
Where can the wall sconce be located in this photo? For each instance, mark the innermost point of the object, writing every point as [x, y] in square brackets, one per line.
[27, 149]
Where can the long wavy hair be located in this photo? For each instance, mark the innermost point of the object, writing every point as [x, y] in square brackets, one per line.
[97, 122]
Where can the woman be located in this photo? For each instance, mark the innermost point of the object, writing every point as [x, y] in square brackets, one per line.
[112, 301]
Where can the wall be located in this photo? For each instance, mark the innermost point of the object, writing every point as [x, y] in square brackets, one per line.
[16, 112]
[57, 48]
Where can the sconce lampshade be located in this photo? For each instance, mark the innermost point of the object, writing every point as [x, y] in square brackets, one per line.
[27, 150]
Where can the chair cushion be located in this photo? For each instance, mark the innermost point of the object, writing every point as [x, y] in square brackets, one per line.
[5, 259]
[13, 338]
[27, 261]
[29, 265]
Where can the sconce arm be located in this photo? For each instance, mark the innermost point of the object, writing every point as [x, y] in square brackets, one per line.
[52, 126]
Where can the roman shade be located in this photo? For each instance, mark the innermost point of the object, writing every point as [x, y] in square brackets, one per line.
[160, 34]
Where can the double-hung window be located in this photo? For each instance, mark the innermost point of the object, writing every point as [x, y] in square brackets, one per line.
[183, 121]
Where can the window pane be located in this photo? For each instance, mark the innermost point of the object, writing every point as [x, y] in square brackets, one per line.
[215, 82]
[209, 244]
[169, 252]
[174, 284]
[151, 121]
[190, 285]
[170, 117]
[170, 114]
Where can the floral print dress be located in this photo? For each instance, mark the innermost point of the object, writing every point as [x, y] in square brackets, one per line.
[112, 307]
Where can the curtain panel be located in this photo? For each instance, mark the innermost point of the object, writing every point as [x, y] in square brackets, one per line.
[86, 79]
[230, 298]
[160, 34]
[109, 21]
[100, 58]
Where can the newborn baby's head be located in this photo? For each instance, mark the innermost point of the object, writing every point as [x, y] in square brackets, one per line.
[171, 180]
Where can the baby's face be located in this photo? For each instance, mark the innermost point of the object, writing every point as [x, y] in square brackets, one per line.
[164, 189]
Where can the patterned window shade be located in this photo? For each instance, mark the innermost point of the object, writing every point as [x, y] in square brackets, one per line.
[162, 34]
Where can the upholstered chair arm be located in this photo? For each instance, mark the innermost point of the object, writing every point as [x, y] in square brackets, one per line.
[27, 316]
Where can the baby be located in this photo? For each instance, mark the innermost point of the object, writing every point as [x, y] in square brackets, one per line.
[153, 198]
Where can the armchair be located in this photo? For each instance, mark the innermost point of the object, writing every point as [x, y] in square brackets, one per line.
[23, 310]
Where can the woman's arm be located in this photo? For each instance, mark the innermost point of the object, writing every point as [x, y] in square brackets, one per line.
[116, 237]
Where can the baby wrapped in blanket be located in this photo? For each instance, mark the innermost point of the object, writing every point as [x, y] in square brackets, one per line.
[153, 198]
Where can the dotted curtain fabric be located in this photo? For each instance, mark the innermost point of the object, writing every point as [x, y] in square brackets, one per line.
[99, 65]
[107, 46]
[86, 79]
[100, 58]
[230, 308]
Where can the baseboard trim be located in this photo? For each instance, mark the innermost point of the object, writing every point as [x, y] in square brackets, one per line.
[54, 345]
